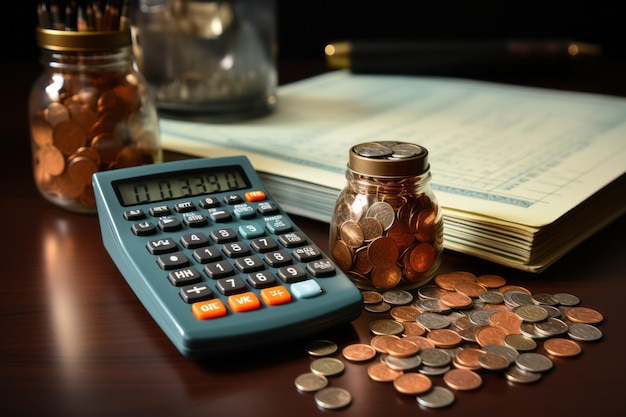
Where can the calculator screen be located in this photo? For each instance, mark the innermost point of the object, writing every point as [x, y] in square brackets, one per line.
[179, 184]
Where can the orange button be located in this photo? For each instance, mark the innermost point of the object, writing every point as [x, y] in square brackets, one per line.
[244, 302]
[257, 195]
[208, 309]
[275, 295]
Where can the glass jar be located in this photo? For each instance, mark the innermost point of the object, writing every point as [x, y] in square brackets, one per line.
[208, 58]
[89, 111]
[387, 227]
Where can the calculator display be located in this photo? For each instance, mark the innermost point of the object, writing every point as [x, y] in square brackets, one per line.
[156, 188]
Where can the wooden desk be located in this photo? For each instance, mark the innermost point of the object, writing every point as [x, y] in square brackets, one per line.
[76, 342]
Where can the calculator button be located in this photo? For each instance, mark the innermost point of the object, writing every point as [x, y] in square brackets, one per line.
[137, 214]
[206, 255]
[173, 261]
[158, 247]
[233, 199]
[143, 229]
[194, 240]
[264, 244]
[251, 230]
[278, 258]
[236, 249]
[275, 295]
[219, 269]
[223, 235]
[194, 293]
[169, 224]
[184, 207]
[209, 202]
[293, 239]
[160, 211]
[186, 276]
[230, 286]
[244, 302]
[195, 220]
[292, 273]
[209, 309]
[306, 289]
[267, 207]
[261, 279]
[321, 268]
[244, 211]
[220, 216]
[307, 253]
[249, 264]
[256, 195]
[278, 225]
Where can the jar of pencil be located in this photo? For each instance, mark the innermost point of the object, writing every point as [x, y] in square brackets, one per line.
[89, 110]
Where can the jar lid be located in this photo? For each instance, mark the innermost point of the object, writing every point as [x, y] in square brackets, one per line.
[72, 41]
[388, 159]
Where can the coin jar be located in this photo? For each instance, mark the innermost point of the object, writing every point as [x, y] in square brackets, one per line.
[89, 111]
[386, 230]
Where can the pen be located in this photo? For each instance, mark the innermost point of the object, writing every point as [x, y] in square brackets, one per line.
[451, 57]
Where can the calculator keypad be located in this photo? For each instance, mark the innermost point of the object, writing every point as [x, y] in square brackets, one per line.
[231, 254]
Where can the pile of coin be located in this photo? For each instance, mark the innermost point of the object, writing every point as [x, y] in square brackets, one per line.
[89, 124]
[439, 342]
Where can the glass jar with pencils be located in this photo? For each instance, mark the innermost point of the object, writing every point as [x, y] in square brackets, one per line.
[89, 111]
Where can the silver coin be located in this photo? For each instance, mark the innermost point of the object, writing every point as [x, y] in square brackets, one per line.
[321, 348]
[584, 332]
[373, 150]
[493, 361]
[437, 397]
[397, 297]
[480, 317]
[310, 381]
[401, 364]
[432, 321]
[333, 397]
[516, 298]
[432, 305]
[529, 330]
[520, 342]
[533, 362]
[383, 212]
[516, 374]
[435, 357]
[433, 370]
[566, 299]
[491, 297]
[553, 311]
[544, 299]
[506, 351]
[327, 366]
[429, 292]
[381, 307]
[551, 327]
[531, 313]
[386, 327]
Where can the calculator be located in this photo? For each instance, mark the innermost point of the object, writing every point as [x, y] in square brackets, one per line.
[217, 263]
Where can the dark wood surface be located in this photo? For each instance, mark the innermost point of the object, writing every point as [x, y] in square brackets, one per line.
[76, 341]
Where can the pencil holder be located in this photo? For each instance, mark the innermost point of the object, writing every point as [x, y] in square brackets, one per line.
[387, 226]
[89, 111]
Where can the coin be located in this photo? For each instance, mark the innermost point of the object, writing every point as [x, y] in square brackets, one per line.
[385, 278]
[462, 379]
[562, 347]
[437, 397]
[444, 338]
[401, 348]
[405, 314]
[490, 335]
[493, 362]
[310, 381]
[584, 332]
[68, 136]
[327, 366]
[412, 383]
[386, 327]
[533, 362]
[584, 315]
[371, 297]
[372, 228]
[382, 373]
[358, 352]
[383, 252]
[491, 281]
[342, 255]
[321, 348]
[333, 397]
[383, 212]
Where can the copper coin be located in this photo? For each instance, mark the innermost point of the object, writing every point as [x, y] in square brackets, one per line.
[371, 297]
[462, 379]
[412, 383]
[68, 136]
[421, 341]
[50, 160]
[506, 288]
[351, 233]
[56, 113]
[468, 357]
[490, 335]
[129, 156]
[382, 373]
[405, 314]
[584, 315]
[383, 252]
[470, 288]
[557, 346]
[400, 235]
[362, 264]
[80, 169]
[427, 224]
[108, 146]
[491, 281]
[412, 328]
[342, 255]
[422, 257]
[456, 300]
[358, 352]
[401, 348]
[379, 342]
[372, 228]
[508, 321]
[444, 338]
[386, 278]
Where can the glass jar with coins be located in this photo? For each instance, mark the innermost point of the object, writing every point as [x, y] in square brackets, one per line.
[89, 111]
[387, 227]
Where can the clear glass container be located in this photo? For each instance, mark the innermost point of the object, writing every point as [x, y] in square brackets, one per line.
[208, 58]
[387, 227]
[89, 111]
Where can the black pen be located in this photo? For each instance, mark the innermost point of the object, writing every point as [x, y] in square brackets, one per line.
[451, 57]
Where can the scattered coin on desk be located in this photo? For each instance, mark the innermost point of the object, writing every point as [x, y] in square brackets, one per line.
[431, 350]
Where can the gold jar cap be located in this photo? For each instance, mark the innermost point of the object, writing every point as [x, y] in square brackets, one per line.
[388, 159]
[72, 41]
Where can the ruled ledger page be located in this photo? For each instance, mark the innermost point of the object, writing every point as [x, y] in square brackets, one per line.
[516, 154]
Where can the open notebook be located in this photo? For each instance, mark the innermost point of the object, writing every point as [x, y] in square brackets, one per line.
[522, 174]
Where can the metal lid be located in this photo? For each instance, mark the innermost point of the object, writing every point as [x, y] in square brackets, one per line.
[71, 41]
[388, 159]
